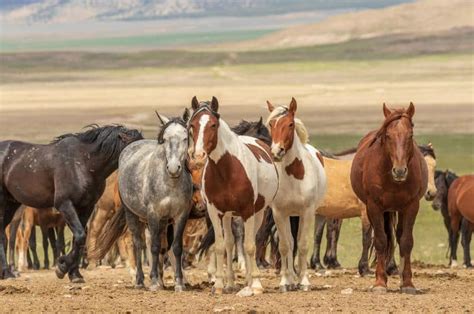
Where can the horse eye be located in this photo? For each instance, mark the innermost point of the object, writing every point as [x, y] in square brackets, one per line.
[213, 126]
[291, 125]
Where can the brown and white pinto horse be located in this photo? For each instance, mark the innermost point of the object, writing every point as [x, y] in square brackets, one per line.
[389, 175]
[239, 179]
[302, 185]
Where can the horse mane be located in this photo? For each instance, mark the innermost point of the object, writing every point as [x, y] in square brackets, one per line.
[243, 126]
[300, 128]
[427, 150]
[105, 138]
[171, 121]
[396, 114]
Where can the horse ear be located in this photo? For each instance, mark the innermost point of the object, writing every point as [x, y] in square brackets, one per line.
[293, 106]
[260, 122]
[270, 106]
[386, 111]
[186, 115]
[411, 110]
[430, 145]
[162, 119]
[195, 103]
[214, 104]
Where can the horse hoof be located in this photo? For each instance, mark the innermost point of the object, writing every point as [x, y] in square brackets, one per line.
[284, 288]
[139, 286]
[305, 288]
[408, 290]
[155, 288]
[77, 280]
[179, 288]
[59, 273]
[7, 274]
[230, 289]
[217, 291]
[379, 289]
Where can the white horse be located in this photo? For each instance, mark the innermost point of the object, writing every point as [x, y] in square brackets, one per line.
[239, 179]
[302, 185]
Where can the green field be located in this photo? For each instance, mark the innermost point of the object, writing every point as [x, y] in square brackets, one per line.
[455, 152]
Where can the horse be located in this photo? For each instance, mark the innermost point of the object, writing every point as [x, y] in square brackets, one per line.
[302, 185]
[258, 130]
[68, 174]
[239, 179]
[340, 202]
[155, 187]
[48, 219]
[444, 180]
[390, 176]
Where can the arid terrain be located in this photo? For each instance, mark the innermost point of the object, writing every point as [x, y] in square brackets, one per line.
[110, 290]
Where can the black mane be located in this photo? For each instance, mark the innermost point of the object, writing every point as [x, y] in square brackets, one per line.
[106, 138]
[260, 131]
[427, 150]
[243, 126]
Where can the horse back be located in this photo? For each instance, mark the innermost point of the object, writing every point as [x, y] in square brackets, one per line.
[461, 197]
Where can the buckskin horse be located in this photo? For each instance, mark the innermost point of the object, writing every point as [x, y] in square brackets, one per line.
[239, 179]
[389, 175]
[155, 188]
[68, 174]
[444, 180]
[302, 185]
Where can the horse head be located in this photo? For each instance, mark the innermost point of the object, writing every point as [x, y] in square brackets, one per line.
[282, 128]
[174, 137]
[396, 136]
[203, 128]
[430, 159]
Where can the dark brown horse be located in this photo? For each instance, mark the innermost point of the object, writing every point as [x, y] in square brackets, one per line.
[68, 174]
[390, 176]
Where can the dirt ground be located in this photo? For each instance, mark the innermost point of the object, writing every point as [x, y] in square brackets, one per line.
[440, 290]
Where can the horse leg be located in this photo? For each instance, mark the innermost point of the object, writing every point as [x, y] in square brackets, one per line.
[376, 217]
[23, 245]
[7, 210]
[136, 228]
[455, 224]
[366, 242]
[251, 227]
[305, 223]
[32, 245]
[263, 234]
[128, 238]
[147, 248]
[405, 234]
[320, 222]
[283, 227]
[178, 251]
[14, 226]
[53, 243]
[333, 231]
[466, 232]
[44, 232]
[218, 287]
[73, 273]
[157, 228]
[212, 265]
[239, 241]
[229, 248]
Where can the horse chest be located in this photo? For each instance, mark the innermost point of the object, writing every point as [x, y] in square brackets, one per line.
[228, 187]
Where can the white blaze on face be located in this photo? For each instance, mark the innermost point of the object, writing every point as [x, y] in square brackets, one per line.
[203, 121]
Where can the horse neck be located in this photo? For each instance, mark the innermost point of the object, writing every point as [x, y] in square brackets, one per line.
[297, 150]
[227, 141]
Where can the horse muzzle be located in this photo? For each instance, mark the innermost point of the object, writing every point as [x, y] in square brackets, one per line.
[430, 195]
[278, 152]
[174, 171]
[399, 174]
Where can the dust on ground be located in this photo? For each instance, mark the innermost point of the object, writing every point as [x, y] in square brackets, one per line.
[106, 289]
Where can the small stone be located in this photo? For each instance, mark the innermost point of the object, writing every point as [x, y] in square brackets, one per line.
[327, 286]
[225, 308]
[347, 291]
[68, 296]
[245, 292]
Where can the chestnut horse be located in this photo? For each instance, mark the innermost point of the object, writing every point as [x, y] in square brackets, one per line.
[239, 179]
[390, 176]
[302, 185]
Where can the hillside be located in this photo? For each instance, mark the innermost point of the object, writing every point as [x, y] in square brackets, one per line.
[421, 18]
[67, 11]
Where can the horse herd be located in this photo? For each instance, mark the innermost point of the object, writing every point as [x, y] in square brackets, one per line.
[216, 189]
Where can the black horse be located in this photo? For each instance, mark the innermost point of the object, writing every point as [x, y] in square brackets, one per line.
[443, 180]
[68, 174]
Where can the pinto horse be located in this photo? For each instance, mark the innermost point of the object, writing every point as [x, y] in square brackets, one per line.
[302, 185]
[239, 179]
[68, 174]
[389, 175]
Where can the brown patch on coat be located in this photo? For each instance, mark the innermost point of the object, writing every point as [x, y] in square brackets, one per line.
[259, 153]
[259, 202]
[320, 157]
[296, 169]
[228, 188]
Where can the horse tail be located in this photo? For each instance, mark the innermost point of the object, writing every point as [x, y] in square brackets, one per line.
[208, 240]
[112, 230]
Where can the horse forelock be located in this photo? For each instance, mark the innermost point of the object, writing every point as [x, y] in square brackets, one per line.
[204, 106]
[300, 128]
[397, 114]
[175, 120]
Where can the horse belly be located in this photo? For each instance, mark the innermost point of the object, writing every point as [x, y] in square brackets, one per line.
[30, 189]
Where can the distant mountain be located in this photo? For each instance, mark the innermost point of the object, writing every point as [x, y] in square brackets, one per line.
[60, 11]
[419, 18]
